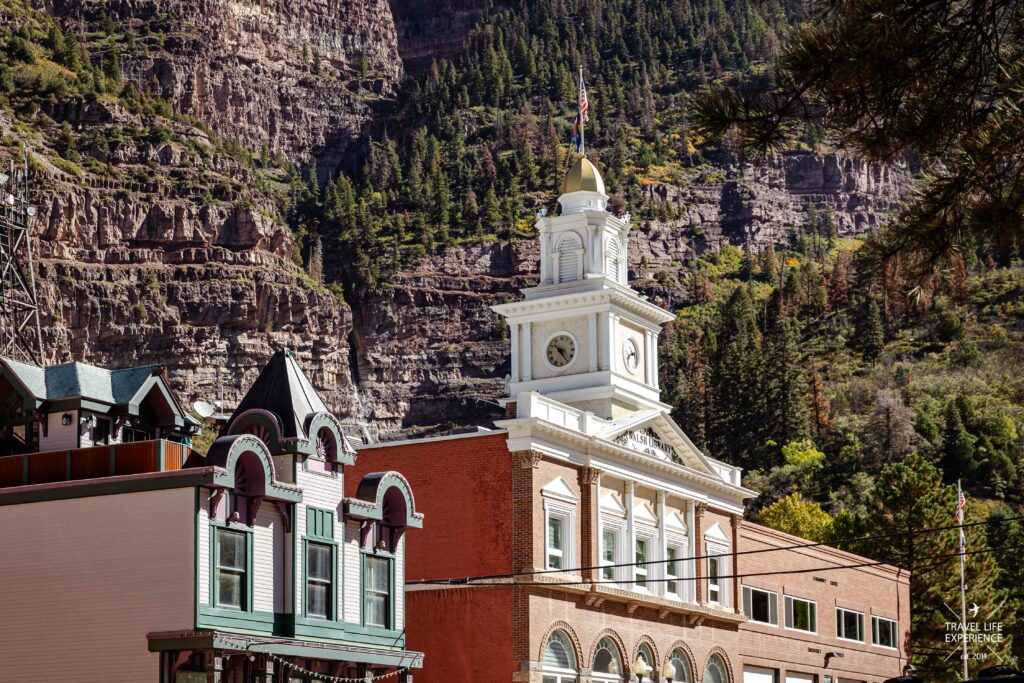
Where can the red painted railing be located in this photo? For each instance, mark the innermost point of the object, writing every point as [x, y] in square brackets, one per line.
[135, 457]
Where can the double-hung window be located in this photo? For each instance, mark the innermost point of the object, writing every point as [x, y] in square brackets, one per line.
[715, 566]
[801, 615]
[556, 542]
[641, 559]
[609, 552]
[883, 632]
[232, 569]
[673, 571]
[761, 606]
[319, 579]
[849, 625]
[377, 589]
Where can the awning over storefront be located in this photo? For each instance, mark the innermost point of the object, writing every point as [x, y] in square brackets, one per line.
[178, 641]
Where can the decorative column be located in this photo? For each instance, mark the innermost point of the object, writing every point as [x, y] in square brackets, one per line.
[556, 271]
[613, 356]
[699, 550]
[545, 251]
[629, 490]
[734, 521]
[606, 341]
[662, 543]
[650, 351]
[527, 531]
[590, 548]
[592, 342]
[514, 335]
[691, 545]
[527, 352]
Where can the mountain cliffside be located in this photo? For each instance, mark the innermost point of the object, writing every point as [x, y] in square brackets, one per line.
[300, 76]
[165, 238]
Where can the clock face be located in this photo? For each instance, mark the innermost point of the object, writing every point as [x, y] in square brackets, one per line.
[631, 355]
[561, 350]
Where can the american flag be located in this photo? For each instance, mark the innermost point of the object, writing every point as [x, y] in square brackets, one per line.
[584, 104]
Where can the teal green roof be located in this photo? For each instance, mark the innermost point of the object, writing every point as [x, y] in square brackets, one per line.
[79, 380]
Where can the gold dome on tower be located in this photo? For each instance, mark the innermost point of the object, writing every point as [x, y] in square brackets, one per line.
[583, 177]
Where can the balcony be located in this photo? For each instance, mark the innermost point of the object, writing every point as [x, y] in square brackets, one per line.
[136, 457]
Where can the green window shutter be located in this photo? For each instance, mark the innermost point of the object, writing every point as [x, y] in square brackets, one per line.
[320, 523]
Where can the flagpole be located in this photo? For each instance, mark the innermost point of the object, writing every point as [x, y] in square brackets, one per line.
[579, 110]
[963, 585]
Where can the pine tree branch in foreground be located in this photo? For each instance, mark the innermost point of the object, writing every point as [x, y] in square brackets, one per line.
[940, 80]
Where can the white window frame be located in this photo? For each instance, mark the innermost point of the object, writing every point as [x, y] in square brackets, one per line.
[648, 572]
[875, 621]
[788, 611]
[679, 545]
[720, 553]
[840, 611]
[618, 528]
[773, 607]
[567, 515]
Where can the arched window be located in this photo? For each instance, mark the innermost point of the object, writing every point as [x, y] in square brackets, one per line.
[559, 665]
[569, 248]
[681, 663]
[607, 662]
[645, 653]
[611, 255]
[715, 671]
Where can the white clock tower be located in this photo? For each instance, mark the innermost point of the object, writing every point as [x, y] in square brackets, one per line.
[582, 336]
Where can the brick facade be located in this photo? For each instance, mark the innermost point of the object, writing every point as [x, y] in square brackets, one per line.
[486, 514]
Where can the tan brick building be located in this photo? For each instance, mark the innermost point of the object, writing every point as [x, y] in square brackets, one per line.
[610, 543]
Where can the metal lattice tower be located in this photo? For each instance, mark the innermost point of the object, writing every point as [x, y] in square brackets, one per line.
[21, 336]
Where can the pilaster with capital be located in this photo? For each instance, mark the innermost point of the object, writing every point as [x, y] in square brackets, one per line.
[698, 548]
[590, 535]
[734, 522]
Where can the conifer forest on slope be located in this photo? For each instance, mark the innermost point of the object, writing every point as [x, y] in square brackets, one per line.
[853, 409]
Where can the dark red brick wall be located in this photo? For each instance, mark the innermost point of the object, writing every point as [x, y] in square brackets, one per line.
[466, 634]
[464, 489]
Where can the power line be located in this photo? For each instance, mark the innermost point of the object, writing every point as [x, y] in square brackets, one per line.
[895, 534]
[581, 582]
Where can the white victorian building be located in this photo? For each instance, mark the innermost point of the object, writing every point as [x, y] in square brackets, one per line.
[606, 540]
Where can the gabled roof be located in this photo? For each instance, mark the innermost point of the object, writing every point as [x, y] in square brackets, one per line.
[666, 429]
[78, 380]
[283, 389]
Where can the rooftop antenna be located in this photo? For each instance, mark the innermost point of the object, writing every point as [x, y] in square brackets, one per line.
[21, 335]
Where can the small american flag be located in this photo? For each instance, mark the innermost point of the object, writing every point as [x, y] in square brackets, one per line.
[584, 104]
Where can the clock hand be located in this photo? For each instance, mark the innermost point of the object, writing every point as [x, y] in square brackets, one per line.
[562, 354]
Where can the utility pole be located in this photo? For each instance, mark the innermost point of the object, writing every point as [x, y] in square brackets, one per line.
[21, 335]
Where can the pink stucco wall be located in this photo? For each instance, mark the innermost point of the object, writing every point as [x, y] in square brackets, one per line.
[83, 581]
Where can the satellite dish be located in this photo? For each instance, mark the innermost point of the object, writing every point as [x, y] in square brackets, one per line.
[203, 409]
[31, 211]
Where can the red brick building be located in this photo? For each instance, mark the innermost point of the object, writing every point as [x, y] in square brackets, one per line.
[611, 544]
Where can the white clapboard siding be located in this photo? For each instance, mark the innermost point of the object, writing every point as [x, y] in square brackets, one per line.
[204, 546]
[319, 491]
[91, 577]
[353, 597]
[268, 560]
[399, 586]
[58, 437]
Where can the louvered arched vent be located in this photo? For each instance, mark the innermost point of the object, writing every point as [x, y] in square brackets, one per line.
[569, 255]
[612, 259]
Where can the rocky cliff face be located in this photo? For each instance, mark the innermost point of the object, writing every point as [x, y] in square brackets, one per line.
[432, 355]
[177, 252]
[301, 76]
